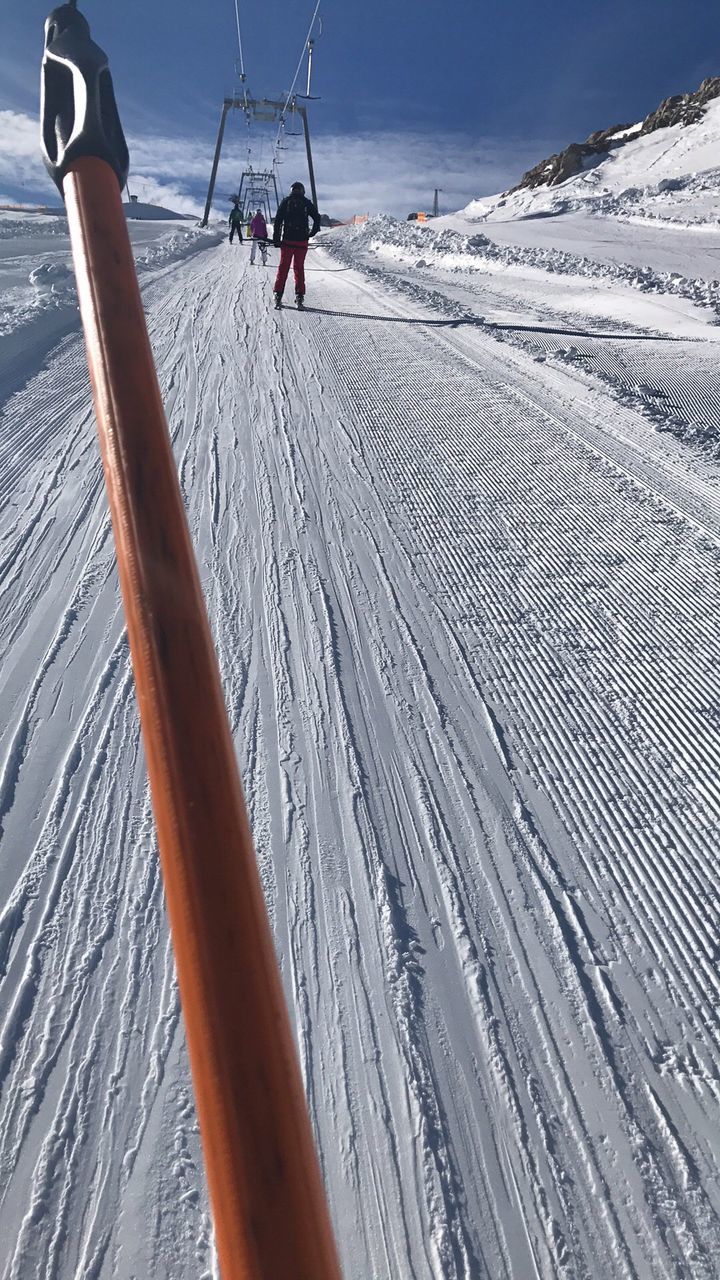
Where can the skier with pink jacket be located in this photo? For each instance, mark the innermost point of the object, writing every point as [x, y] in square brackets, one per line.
[259, 230]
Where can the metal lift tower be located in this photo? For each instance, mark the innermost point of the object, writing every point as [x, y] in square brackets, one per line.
[254, 192]
[260, 109]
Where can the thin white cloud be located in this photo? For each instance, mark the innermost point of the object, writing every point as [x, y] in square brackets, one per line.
[359, 173]
[21, 168]
[187, 158]
[398, 172]
[18, 135]
[166, 194]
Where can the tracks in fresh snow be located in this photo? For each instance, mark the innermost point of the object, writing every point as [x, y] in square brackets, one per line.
[471, 668]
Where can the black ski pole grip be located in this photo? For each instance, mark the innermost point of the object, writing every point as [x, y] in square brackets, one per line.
[79, 115]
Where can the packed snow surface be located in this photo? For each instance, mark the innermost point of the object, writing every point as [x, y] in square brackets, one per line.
[459, 531]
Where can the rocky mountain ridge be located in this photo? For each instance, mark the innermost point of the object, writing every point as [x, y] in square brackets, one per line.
[681, 108]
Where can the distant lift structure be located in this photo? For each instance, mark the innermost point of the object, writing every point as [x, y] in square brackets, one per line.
[259, 109]
[258, 190]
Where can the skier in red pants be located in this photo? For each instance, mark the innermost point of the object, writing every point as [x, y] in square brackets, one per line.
[291, 234]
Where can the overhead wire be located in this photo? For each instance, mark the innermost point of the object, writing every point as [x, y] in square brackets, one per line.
[275, 159]
[239, 63]
[295, 80]
[247, 112]
[239, 36]
[302, 55]
[243, 78]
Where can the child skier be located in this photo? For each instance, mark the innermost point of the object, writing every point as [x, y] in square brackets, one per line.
[258, 226]
[291, 234]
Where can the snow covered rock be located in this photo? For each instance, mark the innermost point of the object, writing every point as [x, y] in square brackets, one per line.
[52, 278]
[683, 109]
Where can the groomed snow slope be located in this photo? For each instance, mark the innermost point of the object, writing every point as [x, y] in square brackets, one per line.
[465, 600]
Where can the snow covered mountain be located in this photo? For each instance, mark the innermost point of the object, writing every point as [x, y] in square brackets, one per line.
[458, 526]
[670, 172]
[142, 211]
[683, 109]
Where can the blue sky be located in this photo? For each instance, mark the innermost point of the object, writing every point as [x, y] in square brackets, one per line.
[464, 96]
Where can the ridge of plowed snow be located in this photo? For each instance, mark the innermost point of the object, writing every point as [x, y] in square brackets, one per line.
[444, 247]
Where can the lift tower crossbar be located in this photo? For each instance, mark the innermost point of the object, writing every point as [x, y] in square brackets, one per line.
[259, 109]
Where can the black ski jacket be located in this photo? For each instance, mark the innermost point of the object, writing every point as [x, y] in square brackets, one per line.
[292, 221]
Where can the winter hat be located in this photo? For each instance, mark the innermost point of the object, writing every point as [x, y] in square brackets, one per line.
[298, 186]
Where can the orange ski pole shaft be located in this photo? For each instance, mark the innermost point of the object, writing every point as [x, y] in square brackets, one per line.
[268, 1203]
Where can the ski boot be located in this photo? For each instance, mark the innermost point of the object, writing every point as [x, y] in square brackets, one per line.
[278, 301]
[300, 301]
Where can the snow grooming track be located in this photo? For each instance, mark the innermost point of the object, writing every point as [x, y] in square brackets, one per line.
[678, 389]
[88, 1059]
[470, 664]
[635, 713]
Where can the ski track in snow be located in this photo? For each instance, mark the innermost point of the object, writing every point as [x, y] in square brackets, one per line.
[467, 637]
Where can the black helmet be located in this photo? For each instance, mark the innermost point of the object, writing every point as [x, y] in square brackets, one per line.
[298, 186]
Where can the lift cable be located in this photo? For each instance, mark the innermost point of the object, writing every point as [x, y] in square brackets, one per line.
[251, 110]
[240, 44]
[243, 79]
[302, 55]
[295, 79]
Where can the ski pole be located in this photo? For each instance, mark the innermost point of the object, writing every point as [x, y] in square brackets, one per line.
[269, 1210]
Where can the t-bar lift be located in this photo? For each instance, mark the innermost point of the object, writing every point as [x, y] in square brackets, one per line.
[260, 109]
[255, 190]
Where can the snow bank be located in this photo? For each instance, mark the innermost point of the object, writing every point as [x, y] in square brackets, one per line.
[36, 262]
[38, 297]
[424, 245]
[174, 246]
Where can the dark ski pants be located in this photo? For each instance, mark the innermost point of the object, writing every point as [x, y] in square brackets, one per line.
[239, 233]
[294, 252]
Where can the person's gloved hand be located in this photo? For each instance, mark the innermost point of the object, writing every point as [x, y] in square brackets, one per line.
[276, 244]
